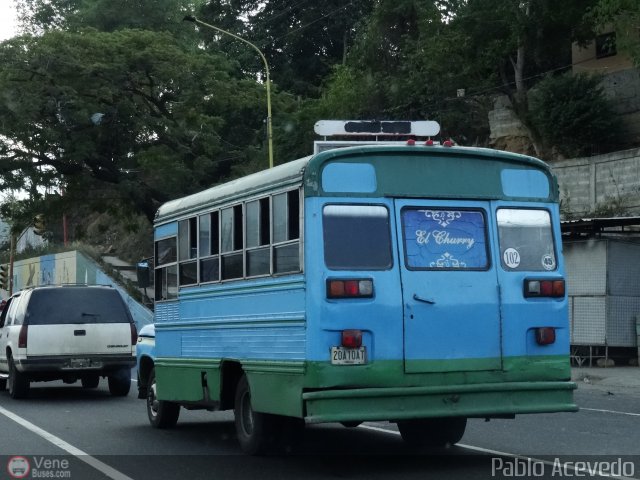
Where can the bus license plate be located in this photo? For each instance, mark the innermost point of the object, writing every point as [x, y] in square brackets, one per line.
[348, 356]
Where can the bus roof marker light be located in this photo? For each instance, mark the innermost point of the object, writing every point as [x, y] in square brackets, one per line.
[447, 143]
[428, 143]
[411, 142]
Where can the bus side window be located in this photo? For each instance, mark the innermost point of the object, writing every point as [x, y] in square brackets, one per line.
[209, 247]
[257, 241]
[286, 232]
[231, 242]
[166, 275]
[188, 251]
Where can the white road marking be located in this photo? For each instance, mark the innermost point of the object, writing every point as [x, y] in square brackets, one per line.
[58, 442]
[577, 471]
[610, 411]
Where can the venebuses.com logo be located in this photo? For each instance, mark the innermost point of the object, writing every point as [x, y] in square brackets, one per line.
[38, 467]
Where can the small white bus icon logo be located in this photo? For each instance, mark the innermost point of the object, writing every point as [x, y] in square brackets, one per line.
[18, 467]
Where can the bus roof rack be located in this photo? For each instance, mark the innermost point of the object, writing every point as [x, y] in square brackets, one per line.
[369, 132]
[392, 128]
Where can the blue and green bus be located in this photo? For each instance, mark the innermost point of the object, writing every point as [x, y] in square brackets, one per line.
[418, 284]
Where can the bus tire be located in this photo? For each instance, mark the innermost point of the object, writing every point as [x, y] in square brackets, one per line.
[17, 381]
[432, 432]
[255, 431]
[162, 414]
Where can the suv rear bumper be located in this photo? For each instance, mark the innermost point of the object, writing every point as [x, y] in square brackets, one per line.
[75, 363]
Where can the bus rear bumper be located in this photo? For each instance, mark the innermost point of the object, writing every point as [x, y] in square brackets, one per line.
[478, 400]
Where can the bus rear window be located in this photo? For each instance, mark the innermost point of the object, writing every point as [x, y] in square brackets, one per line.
[444, 239]
[356, 237]
[526, 240]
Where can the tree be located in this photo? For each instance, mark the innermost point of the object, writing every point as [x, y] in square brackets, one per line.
[302, 40]
[38, 16]
[624, 16]
[129, 109]
[573, 115]
[412, 58]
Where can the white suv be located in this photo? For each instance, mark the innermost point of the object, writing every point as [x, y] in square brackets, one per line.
[66, 333]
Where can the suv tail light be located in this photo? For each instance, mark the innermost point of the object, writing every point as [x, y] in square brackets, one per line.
[350, 288]
[134, 334]
[544, 288]
[22, 336]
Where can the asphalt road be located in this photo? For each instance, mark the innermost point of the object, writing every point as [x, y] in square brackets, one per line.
[99, 436]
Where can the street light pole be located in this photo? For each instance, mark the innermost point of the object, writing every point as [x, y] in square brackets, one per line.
[191, 18]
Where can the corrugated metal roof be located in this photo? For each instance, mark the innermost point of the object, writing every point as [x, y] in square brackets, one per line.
[600, 225]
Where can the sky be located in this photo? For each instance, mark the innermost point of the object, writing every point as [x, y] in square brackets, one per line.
[7, 19]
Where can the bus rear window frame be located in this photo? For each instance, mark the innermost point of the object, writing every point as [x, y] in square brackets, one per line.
[487, 244]
[389, 231]
[551, 228]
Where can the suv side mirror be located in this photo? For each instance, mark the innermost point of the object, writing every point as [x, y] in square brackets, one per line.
[143, 274]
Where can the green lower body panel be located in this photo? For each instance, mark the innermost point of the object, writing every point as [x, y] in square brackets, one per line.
[477, 400]
[381, 390]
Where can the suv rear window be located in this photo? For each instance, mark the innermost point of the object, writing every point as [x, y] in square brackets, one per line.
[50, 306]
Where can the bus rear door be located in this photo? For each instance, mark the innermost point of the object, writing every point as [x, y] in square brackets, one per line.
[450, 288]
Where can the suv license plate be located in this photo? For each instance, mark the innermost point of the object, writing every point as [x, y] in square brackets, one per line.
[348, 356]
[80, 363]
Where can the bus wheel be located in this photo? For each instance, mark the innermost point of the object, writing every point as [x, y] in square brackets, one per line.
[254, 429]
[161, 414]
[432, 432]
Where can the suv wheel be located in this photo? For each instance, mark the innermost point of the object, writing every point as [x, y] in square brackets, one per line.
[18, 382]
[91, 381]
[120, 382]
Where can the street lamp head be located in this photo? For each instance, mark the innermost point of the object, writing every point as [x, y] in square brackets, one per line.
[189, 18]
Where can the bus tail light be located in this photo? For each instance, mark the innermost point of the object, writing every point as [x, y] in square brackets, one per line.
[544, 288]
[22, 336]
[351, 288]
[545, 335]
[352, 338]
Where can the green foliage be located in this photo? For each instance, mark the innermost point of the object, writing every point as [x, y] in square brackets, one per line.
[572, 114]
[302, 40]
[105, 15]
[624, 17]
[123, 106]
[167, 118]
